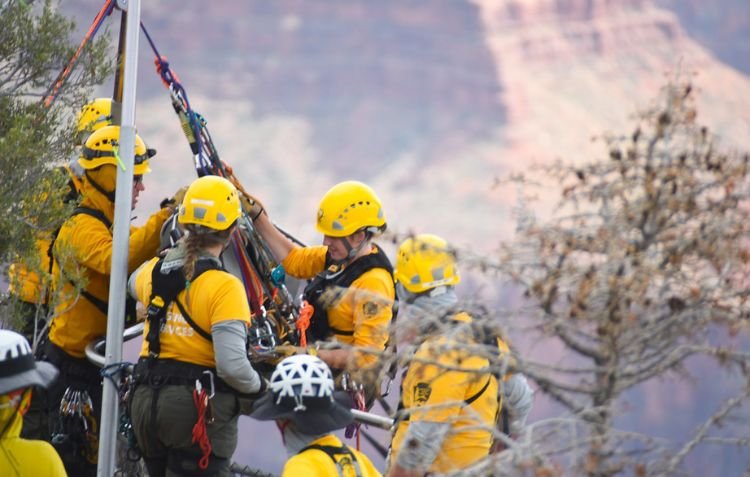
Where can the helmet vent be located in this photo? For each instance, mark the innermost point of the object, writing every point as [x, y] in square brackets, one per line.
[199, 212]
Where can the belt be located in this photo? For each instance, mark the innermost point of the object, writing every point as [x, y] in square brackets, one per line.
[170, 372]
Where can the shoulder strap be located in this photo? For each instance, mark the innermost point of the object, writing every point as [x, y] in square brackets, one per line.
[101, 305]
[319, 326]
[164, 290]
[341, 464]
[203, 333]
[97, 214]
[476, 395]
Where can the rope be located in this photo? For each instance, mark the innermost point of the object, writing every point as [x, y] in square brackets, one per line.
[249, 278]
[112, 370]
[303, 322]
[358, 400]
[190, 119]
[200, 433]
[253, 254]
[51, 94]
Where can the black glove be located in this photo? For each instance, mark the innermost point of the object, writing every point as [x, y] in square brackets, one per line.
[174, 201]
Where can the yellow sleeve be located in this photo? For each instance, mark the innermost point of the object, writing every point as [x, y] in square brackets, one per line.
[373, 295]
[142, 281]
[144, 240]
[305, 262]
[436, 387]
[92, 241]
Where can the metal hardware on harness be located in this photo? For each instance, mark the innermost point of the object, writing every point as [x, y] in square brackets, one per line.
[212, 391]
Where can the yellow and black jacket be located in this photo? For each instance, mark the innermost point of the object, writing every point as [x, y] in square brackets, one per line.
[444, 384]
[83, 249]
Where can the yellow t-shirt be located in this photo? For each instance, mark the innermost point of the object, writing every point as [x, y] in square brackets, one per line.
[213, 297]
[317, 463]
[438, 393]
[364, 308]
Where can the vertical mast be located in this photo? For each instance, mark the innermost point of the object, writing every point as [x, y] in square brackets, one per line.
[121, 236]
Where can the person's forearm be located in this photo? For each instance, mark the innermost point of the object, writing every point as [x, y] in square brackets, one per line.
[420, 447]
[232, 364]
[519, 397]
[336, 358]
[280, 245]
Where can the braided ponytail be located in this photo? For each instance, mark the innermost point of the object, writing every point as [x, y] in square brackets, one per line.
[193, 245]
[197, 239]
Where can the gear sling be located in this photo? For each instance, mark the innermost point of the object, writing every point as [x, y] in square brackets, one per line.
[160, 372]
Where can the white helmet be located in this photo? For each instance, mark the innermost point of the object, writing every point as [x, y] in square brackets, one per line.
[302, 376]
[302, 392]
[18, 369]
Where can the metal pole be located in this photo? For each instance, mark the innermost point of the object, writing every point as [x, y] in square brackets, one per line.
[374, 419]
[120, 241]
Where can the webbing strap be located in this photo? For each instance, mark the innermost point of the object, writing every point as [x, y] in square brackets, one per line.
[192, 323]
[100, 304]
[164, 291]
[473, 398]
[320, 328]
[333, 451]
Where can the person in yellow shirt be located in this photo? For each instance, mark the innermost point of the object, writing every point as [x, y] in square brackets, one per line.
[194, 365]
[29, 282]
[351, 294]
[82, 265]
[450, 400]
[21, 457]
[306, 408]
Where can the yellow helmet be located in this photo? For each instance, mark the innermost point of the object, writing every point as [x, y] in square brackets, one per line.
[102, 145]
[94, 116]
[349, 207]
[425, 262]
[212, 202]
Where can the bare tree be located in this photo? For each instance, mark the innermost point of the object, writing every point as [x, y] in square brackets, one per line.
[645, 256]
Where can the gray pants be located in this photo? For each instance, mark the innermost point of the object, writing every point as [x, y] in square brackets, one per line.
[165, 438]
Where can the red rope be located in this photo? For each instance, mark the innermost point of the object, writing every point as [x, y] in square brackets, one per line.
[303, 322]
[200, 433]
[57, 84]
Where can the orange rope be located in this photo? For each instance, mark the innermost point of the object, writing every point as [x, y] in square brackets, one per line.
[200, 433]
[69, 67]
[303, 322]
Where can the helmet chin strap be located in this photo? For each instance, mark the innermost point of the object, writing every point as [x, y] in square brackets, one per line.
[351, 252]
